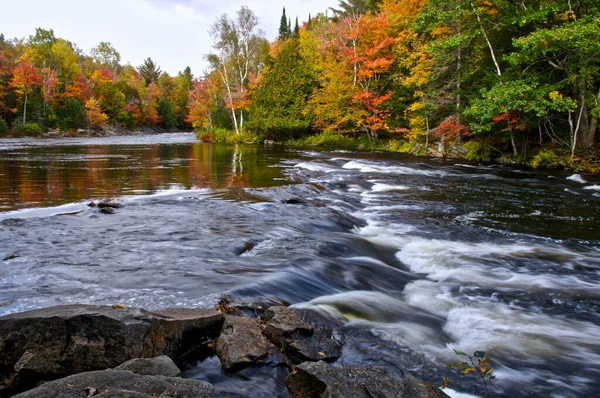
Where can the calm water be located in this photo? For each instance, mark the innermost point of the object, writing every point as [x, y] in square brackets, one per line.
[416, 257]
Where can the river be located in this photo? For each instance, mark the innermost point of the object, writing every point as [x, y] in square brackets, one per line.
[417, 257]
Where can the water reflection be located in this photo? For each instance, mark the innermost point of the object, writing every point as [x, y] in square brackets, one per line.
[51, 175]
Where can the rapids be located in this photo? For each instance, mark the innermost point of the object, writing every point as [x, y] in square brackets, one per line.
[416, 256]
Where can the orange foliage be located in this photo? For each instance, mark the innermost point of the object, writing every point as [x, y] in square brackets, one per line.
[25, 75]
[79, 89]
[94, 114]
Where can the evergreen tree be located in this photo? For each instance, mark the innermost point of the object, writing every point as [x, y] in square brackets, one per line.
[297, 29]
[149, 71]
[284, 28]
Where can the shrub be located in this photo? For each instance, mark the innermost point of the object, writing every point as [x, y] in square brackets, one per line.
[3, 126]
[480, 152]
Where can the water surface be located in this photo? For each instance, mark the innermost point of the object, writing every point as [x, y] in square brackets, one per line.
[416, 257]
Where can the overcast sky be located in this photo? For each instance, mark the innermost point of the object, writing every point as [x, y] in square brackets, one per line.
[174, 33]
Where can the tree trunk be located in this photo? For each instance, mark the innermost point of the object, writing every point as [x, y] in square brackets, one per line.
[25, 109]
[594, 121]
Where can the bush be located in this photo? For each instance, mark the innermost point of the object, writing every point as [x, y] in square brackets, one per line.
[3, 126]
[225, 136]
[480, 152]
[28, 129]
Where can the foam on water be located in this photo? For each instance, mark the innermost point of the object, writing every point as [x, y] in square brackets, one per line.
[577, 178]
[315, 166]
[593, 187]
[365, 167]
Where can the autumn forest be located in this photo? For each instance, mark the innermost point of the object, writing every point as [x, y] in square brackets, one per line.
[506, 79]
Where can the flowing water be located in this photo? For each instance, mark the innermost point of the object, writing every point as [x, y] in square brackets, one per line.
[415, 256]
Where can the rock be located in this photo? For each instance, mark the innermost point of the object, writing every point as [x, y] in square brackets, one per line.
[55, 342]
[319, 379]
[281, 323]
[121, 383]
[158, 366]
[107, 210]
[241, 343]
[109, 203]
[324, 343]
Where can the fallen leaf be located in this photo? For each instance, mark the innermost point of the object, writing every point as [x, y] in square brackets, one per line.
[293, 368]
[118, 306]
[445, 383]
[322, 354]
[69, 385]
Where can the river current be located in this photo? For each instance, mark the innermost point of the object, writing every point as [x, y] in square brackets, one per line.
[416, 256]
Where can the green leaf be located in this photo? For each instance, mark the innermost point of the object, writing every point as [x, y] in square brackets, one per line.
[479, 354]
[457, 365]
[459, 352]
[466, 371]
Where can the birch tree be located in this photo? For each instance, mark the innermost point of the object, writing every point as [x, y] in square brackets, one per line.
[239, 54]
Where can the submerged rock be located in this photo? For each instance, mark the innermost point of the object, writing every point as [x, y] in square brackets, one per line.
[50, 343]
[121, 383]
[319, 379]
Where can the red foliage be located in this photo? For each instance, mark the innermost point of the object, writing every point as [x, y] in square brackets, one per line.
[452, 127]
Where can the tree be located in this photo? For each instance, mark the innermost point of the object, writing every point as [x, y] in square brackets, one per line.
[284, 29]
[280, 99]
[149, 70]
[26, 76]
[106, 56]
[572, 50]
[239, 54]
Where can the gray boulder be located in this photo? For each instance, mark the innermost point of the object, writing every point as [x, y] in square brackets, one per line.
[55, 342]
[241, 343]
[319, 380]
[121, 384]
[159, 366]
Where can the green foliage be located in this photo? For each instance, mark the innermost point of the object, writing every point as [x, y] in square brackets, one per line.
[480, 152]
[3, 126]
[168, 118]
[19, 128]
[278, 103]
[225, 136]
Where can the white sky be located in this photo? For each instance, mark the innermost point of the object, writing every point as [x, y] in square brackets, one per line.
[174, 33]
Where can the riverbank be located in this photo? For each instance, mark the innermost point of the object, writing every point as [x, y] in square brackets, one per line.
[70, 350]
[551, 157]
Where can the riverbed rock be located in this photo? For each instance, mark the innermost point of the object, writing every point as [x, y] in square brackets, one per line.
[325, 342]
[158, 366]
[55, 342]
[282, 322]
[241, 343]
[319, 379]
[120, 383]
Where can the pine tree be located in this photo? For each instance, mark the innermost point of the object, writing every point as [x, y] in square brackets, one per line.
[284, 29]
[297, 29]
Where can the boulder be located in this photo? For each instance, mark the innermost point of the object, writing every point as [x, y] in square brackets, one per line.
[55, 342]
[315, 338]
[319, 379]
[121, 384]
[241, 343]
[281, 323]
[159, 366]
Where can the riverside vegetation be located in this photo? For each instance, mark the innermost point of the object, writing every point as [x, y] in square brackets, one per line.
[512, 81]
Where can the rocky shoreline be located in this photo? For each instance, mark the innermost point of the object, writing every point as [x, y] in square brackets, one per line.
[103, 351]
